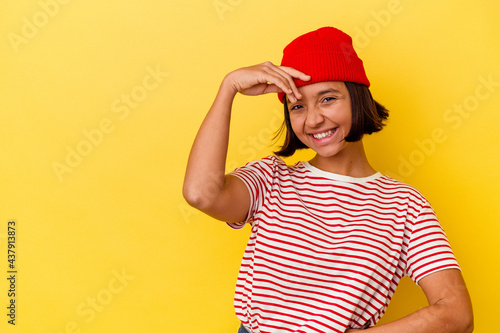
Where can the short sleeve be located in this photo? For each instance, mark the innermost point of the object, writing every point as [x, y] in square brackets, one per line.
[428, 249]
[257, 176]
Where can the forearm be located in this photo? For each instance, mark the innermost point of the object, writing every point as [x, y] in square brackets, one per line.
[449, 310]
[439, 318]
[206, 165]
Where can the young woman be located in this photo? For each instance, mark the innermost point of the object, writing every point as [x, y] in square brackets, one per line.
[331, 237]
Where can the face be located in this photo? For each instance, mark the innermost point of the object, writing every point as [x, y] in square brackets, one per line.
[322, 118]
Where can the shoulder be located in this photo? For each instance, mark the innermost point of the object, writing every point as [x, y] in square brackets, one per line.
[402, 189]
[269, 170]
[271, 162]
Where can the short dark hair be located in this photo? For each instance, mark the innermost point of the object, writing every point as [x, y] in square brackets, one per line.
[368, 116]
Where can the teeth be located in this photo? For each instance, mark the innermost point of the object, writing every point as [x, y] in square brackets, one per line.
[323, 135]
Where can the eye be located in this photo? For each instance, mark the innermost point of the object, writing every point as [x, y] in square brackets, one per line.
[329, 99]
[295, 107]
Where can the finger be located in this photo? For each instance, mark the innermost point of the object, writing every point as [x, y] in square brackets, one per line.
[279, 81]
[283, 80]
[295, 95]
[296, 73]
[291, 73]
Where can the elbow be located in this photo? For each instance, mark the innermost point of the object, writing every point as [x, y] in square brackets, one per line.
[457, 325]
[192, 197]
[196, 197]
[467, 319]
[468, 324]
[463, 324]
[454, 318]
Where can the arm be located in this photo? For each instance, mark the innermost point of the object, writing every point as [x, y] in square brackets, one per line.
[449, 310]
[205, 185]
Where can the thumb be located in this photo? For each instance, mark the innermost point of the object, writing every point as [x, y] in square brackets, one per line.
[272, 88]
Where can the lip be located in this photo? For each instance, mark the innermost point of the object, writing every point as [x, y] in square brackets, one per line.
[325, 139]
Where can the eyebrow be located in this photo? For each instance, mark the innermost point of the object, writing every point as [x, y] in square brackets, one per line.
[331, 90]
[322, 92]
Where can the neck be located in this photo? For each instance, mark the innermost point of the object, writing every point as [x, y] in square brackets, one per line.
[351, 161]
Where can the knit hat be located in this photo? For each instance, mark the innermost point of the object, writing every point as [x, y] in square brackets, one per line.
[325, 54]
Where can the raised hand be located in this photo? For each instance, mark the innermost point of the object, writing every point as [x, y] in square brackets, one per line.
[266, 78]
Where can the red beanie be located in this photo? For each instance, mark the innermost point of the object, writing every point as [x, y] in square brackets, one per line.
[325, 54]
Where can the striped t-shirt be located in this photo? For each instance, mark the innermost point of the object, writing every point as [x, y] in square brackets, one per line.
[327, 251]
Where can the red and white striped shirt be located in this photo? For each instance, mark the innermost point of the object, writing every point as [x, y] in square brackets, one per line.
[327, 251]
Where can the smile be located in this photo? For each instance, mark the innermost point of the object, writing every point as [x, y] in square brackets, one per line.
[323, 135]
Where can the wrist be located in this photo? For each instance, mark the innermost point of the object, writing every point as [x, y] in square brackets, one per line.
[227, 89]
[228, 86]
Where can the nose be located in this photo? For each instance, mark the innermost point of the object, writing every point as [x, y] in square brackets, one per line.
[314, 117]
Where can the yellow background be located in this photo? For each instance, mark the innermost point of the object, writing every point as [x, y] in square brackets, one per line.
[66, 71]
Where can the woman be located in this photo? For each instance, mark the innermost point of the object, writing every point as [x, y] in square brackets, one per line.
[331, 237]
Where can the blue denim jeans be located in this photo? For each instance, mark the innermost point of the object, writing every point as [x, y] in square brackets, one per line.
[242, 329]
